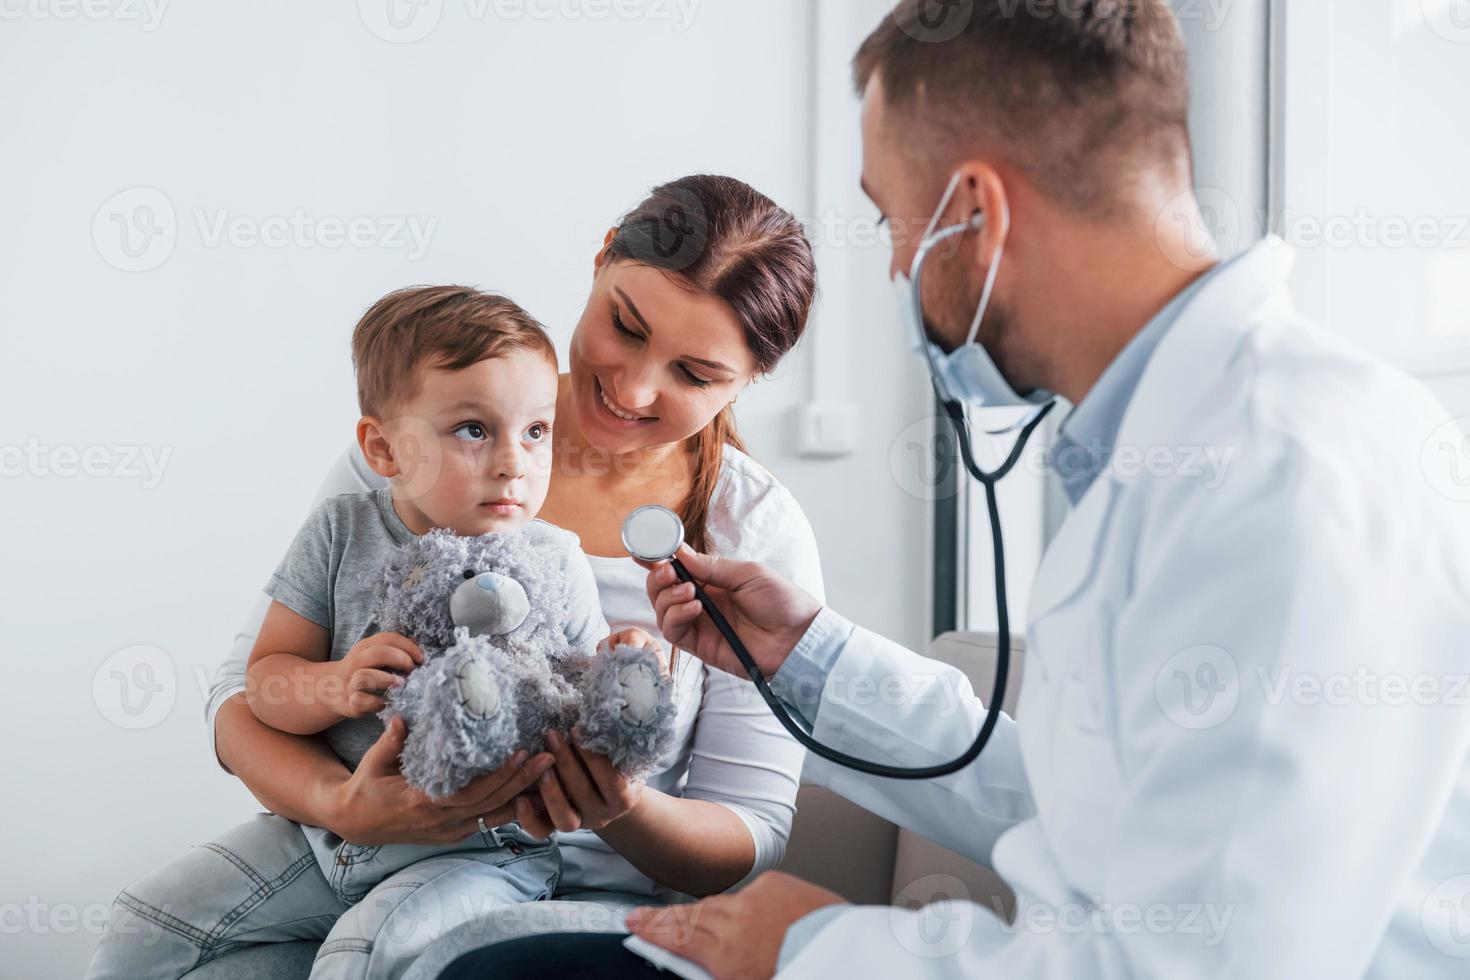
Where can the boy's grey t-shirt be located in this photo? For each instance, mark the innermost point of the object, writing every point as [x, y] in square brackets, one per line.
[327, 576]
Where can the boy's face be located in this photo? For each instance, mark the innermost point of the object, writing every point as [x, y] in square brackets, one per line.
[471, 451]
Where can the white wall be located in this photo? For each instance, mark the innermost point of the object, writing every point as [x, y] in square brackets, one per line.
[1371, 173]
[521, 140]
[874, 502]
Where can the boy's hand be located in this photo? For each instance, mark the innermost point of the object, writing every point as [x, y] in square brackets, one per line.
[635, 637]
[374, 665]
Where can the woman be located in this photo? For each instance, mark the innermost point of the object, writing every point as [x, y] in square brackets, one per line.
[704, 286]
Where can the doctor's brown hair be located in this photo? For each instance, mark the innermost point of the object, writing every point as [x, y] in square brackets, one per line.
[1079, 94]
[722, 237]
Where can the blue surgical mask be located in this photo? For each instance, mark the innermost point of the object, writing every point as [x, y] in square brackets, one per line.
[967, 373]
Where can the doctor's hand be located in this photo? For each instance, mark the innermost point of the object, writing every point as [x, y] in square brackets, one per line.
[768, 612]
[734, 936]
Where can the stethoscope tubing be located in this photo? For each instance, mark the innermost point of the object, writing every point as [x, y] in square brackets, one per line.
[778, 708]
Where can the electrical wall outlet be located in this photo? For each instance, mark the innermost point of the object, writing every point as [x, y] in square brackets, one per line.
[826, 429]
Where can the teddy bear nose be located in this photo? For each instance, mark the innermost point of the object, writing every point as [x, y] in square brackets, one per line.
[490, 604]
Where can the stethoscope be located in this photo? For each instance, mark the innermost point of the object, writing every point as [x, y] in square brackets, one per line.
[654, 534]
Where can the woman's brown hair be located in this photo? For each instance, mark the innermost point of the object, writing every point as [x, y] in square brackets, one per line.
[722, 237]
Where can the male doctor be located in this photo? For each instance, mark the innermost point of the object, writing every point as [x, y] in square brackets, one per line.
[1242, 736]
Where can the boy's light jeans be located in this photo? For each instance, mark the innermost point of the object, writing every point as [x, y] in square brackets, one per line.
[264, 881]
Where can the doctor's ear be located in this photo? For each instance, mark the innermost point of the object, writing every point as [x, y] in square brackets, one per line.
[983, 192]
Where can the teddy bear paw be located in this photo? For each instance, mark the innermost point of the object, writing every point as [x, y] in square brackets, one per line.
[479, 694]
[639, 686]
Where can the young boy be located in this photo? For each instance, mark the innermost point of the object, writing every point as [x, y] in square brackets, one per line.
[458, 391]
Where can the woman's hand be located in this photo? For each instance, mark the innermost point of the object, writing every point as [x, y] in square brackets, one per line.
[376, 805]
[583, 791]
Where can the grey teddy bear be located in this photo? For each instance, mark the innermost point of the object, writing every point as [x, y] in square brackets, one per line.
[498, 671]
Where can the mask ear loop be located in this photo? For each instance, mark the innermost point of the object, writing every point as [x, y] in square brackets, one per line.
[916, 294]
[977, 222]
[930, 241]
[954, 181]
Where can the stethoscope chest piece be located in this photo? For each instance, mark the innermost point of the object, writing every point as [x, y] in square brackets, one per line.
[653, 533]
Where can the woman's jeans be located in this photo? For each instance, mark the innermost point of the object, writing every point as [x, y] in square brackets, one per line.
[376, 908]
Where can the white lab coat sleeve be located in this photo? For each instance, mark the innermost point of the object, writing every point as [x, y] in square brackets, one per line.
[349, 474]
[1269, 832]
[885, 703]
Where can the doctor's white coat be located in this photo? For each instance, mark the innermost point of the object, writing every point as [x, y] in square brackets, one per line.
[1245, 718]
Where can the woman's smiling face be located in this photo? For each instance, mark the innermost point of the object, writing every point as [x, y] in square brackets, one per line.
[653, 360]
